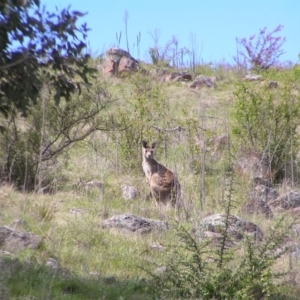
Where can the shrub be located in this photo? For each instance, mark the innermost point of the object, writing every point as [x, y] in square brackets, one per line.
[199, 270]
[261, 53]
[265, 121]
[31, 146]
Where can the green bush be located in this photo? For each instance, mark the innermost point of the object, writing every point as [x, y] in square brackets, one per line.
[200, 270]
[265, 121]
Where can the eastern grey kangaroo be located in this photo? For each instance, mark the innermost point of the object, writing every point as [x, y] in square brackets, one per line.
[164, 185]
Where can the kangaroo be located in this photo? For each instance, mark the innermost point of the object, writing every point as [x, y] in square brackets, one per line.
[164, 186]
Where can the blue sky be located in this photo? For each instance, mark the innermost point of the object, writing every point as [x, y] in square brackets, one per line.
[214, 24]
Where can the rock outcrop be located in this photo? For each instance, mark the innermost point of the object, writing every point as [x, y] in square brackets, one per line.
[118, 61]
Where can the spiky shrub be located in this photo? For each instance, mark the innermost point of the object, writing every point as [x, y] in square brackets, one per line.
[266, 121]
[200, 270]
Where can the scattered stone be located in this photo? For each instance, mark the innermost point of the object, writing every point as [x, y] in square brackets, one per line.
[128, 192]
[288, 201]
[13, 241]
[132, 223]
[212, 227]
[202, 81]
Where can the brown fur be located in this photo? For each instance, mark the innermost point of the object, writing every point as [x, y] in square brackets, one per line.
[164, 185]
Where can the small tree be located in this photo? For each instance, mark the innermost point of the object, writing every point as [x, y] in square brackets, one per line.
[43, 73]
[36, 44]
[261, 51]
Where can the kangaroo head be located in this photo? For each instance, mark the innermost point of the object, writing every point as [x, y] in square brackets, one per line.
[148, 150]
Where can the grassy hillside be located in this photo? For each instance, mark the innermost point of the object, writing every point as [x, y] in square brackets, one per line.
[100, 263]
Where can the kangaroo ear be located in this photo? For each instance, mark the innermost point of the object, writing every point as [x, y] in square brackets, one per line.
[154, 145]
[145, 144]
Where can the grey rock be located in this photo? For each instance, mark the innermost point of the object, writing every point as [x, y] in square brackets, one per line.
[212, 227]
[128, 192]
[134, 223]
[287, 201]
[13, 241]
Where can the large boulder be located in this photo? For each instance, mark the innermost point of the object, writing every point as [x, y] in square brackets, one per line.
[13, 241]
[132, 223]
[213, 226]
[118, 61]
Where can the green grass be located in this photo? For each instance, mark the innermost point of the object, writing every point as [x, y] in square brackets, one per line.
[38, 282]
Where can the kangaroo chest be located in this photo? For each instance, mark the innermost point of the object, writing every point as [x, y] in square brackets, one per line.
[147, 169]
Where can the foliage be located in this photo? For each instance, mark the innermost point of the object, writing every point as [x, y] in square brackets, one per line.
[262, 51]
[266, 121]
[36, 44]
[200, 270]
[31, 153]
